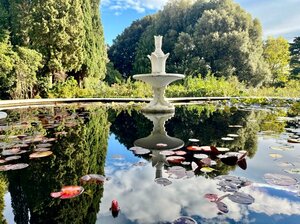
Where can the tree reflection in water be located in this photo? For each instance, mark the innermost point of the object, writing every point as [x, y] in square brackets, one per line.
[81, 151]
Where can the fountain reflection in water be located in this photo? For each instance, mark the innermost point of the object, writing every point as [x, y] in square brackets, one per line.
[159, 140]
[159, 80]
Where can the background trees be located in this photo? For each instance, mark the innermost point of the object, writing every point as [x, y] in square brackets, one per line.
[206, 36]
[295, 58]
[61, 39]
[277, 55]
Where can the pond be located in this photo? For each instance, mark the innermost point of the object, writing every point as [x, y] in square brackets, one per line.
[212, 163]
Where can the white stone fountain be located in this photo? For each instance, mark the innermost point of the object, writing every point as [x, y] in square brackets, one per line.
[159, 80]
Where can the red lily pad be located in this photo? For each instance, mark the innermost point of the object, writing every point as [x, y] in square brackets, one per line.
[175, 159]
[193, 148]
[211, 197]
[68, 192]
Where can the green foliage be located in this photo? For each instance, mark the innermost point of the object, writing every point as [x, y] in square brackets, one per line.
[208, 86]
[67, 33]
[277, 55]
[26, 65]
[201, 36]
[3, 189]
[67, 89]
[295, 58]
[124, 46]
[7, 59]
[112, 75]
[94, 49]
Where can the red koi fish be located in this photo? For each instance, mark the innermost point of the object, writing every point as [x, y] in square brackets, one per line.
[114, 208]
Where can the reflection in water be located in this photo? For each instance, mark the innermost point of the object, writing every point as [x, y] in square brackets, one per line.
[159, 139]
[80, 148]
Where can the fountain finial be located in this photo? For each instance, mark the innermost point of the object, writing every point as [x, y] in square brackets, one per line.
[158, 58]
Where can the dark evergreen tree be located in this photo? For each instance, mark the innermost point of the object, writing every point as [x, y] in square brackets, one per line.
[295, 58]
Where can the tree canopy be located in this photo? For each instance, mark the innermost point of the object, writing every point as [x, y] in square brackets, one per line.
[277, 55]
[215, 36]
[295, 58]
[65, 35]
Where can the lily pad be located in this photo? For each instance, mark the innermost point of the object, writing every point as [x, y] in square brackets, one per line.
[279, 179]
[227, 139]
[193, 148]
[41, 149]
[180, 153]
[167, 152]
[207, 169]
[10, 158]
[175, 159]
[200, 156]
[233, 135]
[68, 192]
[194, 140]
[275, 155]
[211, 197]
[17, 166]
[293, 171]
[241, 198]
[93, 178]
[235, 126]
[163, 181]
[40, 154]
[184, 220]
[283, 148]
[293, 140]
[141, 151]
[44, 145]
[3, 115]
[222, 207]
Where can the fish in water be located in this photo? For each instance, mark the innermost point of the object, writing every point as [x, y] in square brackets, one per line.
[114, 208]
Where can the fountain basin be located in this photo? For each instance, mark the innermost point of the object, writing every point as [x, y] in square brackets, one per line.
[158, 80]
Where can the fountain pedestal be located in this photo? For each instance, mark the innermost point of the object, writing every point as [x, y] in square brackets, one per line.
[159, 80]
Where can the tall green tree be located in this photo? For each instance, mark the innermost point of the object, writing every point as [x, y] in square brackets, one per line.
[277, 55]
[57, 33]
[94, 49]
[295, 58]
[124, 46]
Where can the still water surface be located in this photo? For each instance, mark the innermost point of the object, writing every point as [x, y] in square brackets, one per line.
[256, 181]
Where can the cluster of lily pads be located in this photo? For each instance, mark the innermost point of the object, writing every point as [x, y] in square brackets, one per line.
[30, 142]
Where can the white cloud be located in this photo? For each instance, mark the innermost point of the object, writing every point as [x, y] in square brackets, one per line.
[278, 18]
[144, 201]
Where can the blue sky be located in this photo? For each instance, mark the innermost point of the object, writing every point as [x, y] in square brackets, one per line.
[278, 17]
